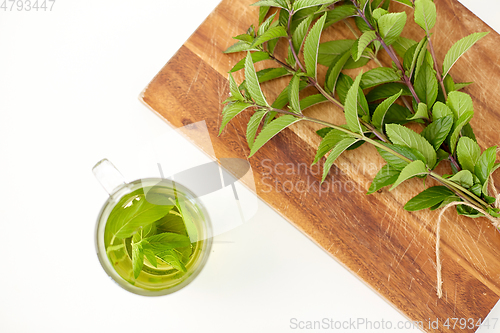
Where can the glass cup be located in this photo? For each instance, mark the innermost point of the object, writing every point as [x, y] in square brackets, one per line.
[115, 254]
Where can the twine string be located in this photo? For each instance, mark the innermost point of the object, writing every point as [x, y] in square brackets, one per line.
[494, 221]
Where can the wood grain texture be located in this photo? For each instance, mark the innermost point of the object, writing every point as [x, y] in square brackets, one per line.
[390, 249]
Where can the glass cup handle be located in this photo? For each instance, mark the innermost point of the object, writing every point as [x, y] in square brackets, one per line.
[108, 175]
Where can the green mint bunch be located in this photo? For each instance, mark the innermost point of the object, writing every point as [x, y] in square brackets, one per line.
[377, 104]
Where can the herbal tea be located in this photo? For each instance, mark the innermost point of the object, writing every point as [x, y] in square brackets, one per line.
[152, 237]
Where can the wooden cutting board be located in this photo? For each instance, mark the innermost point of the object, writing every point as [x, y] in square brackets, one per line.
[390, 249]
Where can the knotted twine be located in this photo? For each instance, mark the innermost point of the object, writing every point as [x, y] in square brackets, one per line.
[494, 221]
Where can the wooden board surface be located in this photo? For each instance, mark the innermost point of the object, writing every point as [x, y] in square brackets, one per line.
[390, 249]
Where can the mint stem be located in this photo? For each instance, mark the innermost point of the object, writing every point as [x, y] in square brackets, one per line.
[439, 77]
[390, 51]
[290, 42]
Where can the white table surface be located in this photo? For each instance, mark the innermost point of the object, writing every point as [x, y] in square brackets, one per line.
[69, 81]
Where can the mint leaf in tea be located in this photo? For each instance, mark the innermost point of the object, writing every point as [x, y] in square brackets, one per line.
[151, 237]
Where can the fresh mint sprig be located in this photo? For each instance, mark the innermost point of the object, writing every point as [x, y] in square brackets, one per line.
[376, 104]
[437, 104]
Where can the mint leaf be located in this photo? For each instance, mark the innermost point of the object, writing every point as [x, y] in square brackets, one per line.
[485, 164]
[253, 126]
[245, 38]
[469, 132]
[428, 198]
[233, 88]
[403, 136]
[421, 112]
[300, 33]
[311, 47]
[391, 26]
[312, 100]
[331, 51]
[449, 84]
[402, 45]
[468, 152]
[421, 59]
[378, 76]
[440, 110]
[271, 130]
[387, 175]
[340, 13]
[344, 84]
[253, 82]
[446, 201]
[323, 132]
[137, 258]
[459, 103]
[458, 49]
[379, 12]
[425, 14]
[330, 140]
[396, 162]
[438, 131]
[426, 85]
[167, 241]
[381, 110]
[463, 178]
[271, 3]
[171, 223]
[363, 60]
[460, 86]
[145, 214]
[123, 212]
[461, 122]
[272, 33]
[146, 231]
[256, 57]
[293, 94]
[485, 185]
[191, 229]
[301, 4]
[351, 106]
[282, 99]
[239, 47]
[114, 248]
[362, 4]
[333, 74]
[336, 151]
[263, 10]
[387, 90]
[269, 74]
[171, 257]
[405, 2]
[468, 211]
[397, 114]
[265, 25]
[150, 255]
[412, 57]
[230, 111]
[363, 43]
[415, 168]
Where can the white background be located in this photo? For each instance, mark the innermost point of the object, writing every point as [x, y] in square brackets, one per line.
[69, 81]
